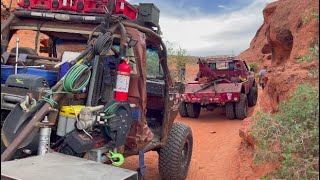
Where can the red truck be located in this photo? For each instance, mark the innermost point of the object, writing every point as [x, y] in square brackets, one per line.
[220, 81]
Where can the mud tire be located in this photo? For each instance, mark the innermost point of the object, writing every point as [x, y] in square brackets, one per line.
[183, 109]
[253, 96]
[230, 112]
[193, 110]
[241, 107]
[175, 156]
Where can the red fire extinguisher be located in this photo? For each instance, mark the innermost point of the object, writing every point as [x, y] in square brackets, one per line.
[123, 79]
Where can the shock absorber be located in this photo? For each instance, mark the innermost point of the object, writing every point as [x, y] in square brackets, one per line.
[44, 140]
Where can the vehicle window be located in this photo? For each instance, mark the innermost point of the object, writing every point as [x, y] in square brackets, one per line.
[153, 64]
[220, 66]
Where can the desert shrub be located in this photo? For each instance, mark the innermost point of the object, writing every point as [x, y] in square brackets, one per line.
[311, 55]
[291, 136]
[177, 60]
[315, 15]
[253, 66]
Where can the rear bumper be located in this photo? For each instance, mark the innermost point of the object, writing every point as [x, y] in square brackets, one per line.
[209, 98]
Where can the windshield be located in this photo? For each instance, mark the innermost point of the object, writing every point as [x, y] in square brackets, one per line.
[220, 66]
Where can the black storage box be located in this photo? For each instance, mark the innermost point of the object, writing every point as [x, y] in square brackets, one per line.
[27, 81]
[149, 13]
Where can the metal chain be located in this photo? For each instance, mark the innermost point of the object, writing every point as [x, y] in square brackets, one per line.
[7, 12]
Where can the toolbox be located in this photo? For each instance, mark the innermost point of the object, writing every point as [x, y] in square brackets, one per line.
[122, 7]
[149, 13]
[126, 9]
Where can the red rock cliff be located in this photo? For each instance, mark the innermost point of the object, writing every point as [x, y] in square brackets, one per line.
[290, 29]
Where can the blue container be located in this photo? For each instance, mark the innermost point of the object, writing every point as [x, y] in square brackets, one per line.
[136, 114]
[64, 69]
[7, 70]
[51, 76]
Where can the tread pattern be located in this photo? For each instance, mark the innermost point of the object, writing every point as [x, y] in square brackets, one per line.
[230, 112]
[253, 96]
[193, 110]
[241, 107]
[183, 109]
[170, 154]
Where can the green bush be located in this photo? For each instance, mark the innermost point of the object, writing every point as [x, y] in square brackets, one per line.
[253, 67]
[291, 136]
[311, 55]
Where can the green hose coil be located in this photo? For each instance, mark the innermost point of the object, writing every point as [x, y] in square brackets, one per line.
[69, 82]
[73, 75]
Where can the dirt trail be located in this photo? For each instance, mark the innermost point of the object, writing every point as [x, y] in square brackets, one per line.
[216, 156]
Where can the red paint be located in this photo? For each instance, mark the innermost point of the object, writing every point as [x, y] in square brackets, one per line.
[122, 7]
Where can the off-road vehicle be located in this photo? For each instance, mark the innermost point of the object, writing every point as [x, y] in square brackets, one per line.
[223, 81]
[99, 88]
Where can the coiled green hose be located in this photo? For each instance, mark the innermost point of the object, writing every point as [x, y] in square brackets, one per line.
[69, 82]
[72, 77]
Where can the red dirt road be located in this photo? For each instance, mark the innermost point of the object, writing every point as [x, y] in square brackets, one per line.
[218, 153]
[216, 147]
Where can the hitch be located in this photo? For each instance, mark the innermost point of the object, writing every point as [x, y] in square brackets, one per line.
[116, 156]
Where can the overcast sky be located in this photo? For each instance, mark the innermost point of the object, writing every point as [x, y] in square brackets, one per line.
[209, 27]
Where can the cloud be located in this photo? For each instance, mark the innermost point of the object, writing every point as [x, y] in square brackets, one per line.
[205, 34]
[224, 7]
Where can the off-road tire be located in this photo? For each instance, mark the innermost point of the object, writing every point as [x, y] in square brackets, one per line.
[183, 109]
[24, 50]
[230, 112]
[193, 110]
[241, 107]
[253, 96]
[175, 156]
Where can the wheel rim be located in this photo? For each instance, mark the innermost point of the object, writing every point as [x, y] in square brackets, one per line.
[185, 154]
